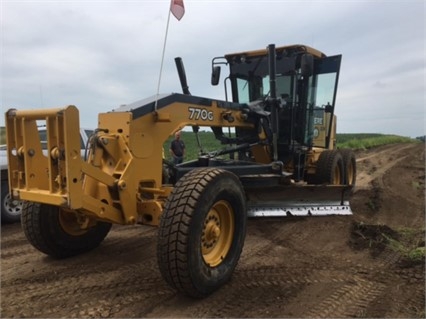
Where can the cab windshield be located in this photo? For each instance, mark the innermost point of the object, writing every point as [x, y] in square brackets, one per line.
[307, 102]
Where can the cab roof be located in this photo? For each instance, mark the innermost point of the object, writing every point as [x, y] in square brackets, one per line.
[289, 49]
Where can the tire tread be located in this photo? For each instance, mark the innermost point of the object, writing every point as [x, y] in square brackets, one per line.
[175, 225]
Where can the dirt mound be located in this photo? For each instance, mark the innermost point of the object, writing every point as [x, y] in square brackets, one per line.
[378, 238]
[374, 237]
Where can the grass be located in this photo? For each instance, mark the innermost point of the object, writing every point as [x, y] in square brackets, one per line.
[409, 243]
[414, 248]
[366, 141]
[416, 185]
[207, 140]
[353, 141]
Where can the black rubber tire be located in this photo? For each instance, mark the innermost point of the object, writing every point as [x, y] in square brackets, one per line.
[42, 227]
[349, 166]
[179, 253]
[10, 209]
[330, 168]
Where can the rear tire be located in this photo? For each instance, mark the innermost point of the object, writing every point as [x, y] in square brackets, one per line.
[202, 231]
[57, 233]
[330, 168]
[349, 166]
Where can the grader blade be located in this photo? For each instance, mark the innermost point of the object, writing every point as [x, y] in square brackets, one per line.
[295, 200]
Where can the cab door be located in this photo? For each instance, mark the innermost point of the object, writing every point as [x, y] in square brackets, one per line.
[321, 100]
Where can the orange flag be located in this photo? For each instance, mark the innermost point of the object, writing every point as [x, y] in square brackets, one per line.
[177, 8]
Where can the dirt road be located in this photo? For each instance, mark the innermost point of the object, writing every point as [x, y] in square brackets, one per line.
[292, 267]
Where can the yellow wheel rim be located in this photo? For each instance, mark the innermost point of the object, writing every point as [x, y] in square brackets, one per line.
[71, 224]
[218, 232]
[350, 174]
[337, 176]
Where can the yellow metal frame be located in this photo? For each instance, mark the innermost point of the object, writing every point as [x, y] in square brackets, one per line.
[121, 181]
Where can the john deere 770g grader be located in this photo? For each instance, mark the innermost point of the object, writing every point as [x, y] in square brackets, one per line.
[280, 159]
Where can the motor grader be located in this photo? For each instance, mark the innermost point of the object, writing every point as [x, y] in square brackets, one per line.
[278, 158]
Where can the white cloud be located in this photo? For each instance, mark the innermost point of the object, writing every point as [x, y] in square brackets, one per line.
[100, 54]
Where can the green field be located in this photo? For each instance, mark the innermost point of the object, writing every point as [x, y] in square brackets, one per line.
[365, 141]
[354, 141]
[209, 143]
[2, 135]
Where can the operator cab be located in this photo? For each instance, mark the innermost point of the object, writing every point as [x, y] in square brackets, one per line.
[306, 84]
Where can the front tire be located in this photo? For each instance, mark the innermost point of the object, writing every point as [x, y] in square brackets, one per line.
[202, 231]
[58, 233]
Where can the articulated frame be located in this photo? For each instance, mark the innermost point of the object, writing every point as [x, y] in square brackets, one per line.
[121, 181]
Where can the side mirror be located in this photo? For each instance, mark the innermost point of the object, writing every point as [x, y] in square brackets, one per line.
[307, 65]
[215, 75]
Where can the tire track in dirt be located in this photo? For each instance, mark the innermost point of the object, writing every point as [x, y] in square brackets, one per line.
[388, 148]
[259, 276]
[19, 252]
[388, 159]
[50, 282]
[304, 273]
[124, 281]
[348, 301]
[73, 283]
[77, 307]
[10, 232]
[413, 300]
[258, 241]
[115, 244]
[266, 287]
[265, 235]
[350, 292]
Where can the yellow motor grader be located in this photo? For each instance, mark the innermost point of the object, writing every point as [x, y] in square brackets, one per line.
[278, 159]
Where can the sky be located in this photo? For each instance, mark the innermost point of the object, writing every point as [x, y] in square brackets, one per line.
[99, 55]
